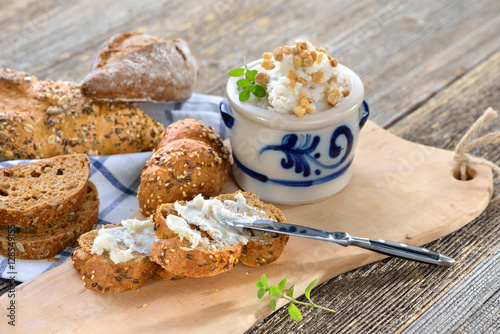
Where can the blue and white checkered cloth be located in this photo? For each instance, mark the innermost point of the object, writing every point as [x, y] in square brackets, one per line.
[117, 177]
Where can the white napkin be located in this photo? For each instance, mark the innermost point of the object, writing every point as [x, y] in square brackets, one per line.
[117, 178]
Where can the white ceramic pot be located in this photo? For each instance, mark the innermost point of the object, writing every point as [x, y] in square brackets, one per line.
[290, 160]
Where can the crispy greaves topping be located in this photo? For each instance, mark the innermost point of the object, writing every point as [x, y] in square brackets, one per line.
[306, 68]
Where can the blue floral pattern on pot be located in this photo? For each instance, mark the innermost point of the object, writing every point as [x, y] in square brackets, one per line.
[300, 151]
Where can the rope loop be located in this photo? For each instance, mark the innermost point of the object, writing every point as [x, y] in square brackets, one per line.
[469, 141]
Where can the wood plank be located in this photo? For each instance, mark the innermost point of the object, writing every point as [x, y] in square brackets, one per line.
[400, 210]
[390, 295]
[387, 296]
[445, 118]
[467, 307]
[404, 51]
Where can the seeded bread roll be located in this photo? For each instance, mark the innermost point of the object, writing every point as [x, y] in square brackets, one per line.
[42, 119]
[136, 67]
[100, 274]
[175, 256]
[45, 241]
[263, 247]
[163, 275]
[196, 130]
[40, 192]
[183, 167]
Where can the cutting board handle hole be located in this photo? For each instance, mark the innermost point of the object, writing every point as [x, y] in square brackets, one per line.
[470, 173]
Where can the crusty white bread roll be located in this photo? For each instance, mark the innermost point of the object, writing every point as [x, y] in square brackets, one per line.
[137, 67]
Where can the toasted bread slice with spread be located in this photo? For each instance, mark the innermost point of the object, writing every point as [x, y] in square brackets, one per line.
[176, 252]
[262, 247]
[101, 273]
[189, 241]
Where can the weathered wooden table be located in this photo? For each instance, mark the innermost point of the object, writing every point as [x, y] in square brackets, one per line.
[430, 68]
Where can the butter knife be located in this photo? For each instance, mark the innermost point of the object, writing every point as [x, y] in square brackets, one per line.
[344, 239]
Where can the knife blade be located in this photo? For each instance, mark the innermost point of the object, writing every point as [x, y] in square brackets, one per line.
[385, 247]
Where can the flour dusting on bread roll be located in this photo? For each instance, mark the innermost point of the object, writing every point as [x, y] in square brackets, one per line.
[137, 67]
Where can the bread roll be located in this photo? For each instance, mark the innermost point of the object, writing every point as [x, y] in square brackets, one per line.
[100, 274]
[132, 66]
[190, 162]
[41, 119]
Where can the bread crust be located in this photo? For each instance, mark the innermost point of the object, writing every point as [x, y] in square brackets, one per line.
[262, 248]
[173, 256]
[43, 118]
[162, 275]
[40, 192]
[100, 274]
[43, 242]
[132, 66]
[196, 130]
[180, 170]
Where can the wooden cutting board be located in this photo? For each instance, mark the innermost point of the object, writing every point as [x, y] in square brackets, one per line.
[400, 191]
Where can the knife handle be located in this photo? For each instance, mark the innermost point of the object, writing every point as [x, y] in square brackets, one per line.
[403, 251]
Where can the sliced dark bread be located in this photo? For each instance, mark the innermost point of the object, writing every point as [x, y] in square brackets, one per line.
[40, 192]
[45, 241]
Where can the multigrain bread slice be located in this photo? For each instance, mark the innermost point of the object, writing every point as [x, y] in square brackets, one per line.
[175, 257]
[40, 192]
[178, 257]
[101, 274]
[45, 241]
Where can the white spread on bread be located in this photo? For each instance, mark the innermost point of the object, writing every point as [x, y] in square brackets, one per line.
[207, 216]
[123, 243]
